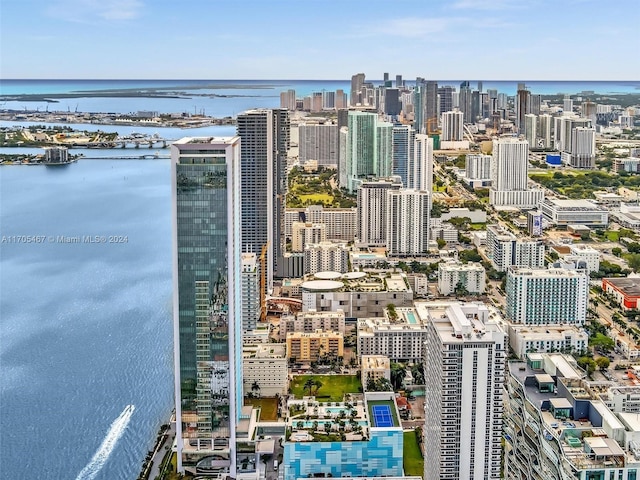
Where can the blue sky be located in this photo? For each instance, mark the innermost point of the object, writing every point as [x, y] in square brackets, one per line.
[320, 39]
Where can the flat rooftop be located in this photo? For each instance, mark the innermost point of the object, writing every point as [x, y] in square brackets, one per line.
[629, 286]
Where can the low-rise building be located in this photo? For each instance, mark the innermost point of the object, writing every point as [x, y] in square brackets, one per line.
[340, 223]
[461, 278]
[359, 439]
[360, 295]
[374, 367]
[312, 321]
[524, 339]
[308, 347]
[504, 249]
[567, 212]
[399, 335]
[264, 369]
[626, 291]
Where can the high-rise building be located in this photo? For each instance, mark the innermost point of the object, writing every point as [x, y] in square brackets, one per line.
[544, 130]
[509, 178]
[403, 143]
[452, 126]
[523, 106]
[207, 299]
[318, 142]
[341, 99]
[461, 278]
[357, 82]
[478, 166]
[567, 104]
[431, 106]
[399, 82]
[583, 147]
[368, 149]
[420, 167]
[530, 129]
[464, 102]
[504, 249]
[540, 296]
[445, 95]
[464, 375]
[307, 232]
[392, 101]
[372, 211]
[419, 106]
[288, 100]
[328, 100]
[407, 219]
[250, 285]
[265, 141]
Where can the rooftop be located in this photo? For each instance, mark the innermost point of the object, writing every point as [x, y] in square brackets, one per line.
[629, 286]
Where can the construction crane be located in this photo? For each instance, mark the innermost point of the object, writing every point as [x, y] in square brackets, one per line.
[263, 283]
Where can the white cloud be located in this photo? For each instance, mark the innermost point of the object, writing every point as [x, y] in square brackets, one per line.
[93, 11]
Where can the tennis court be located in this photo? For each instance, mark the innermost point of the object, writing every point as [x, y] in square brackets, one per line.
[382, 416]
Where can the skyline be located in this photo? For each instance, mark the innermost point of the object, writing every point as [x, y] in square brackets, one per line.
[113, 39]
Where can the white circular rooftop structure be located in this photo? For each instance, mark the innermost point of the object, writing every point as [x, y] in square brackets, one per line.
[327, 275]
[321, 285]
[354, 275]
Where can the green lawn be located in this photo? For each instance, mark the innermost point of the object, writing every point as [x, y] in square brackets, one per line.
[333, 386]
[612, 236]
[316, 198]
[412, 456]
[269, 407]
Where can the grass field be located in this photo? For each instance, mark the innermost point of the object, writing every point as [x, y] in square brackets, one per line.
[612, 236]
[316, 198]
[412, 456]
[269, 407]
[333, 386]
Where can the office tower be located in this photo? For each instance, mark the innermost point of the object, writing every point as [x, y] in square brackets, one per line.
[530, 129]
[372, 211]
[452, 126]
[420, 166]
[540, 296]
[206, 302]
[385, 77]
[493, 100]
[567, 104]
[341, 99]
[485, 105]
[536, 104]
[328, 100]
[544, 130]
[317, 99]
[583, 147]
[503, 101]
[250, 288]
[399, 82]
[509, 179]
[464, 375]
[431, 106]
[407, 219]
[357, 81]
[478, 166]
[445, 97]
[464, 102]
[391, 101]
[265, 141]
[523, 106]
[318, 142]
[403, 138]
[475, 105]
[288, 99]
[419, 105]
[368, 149]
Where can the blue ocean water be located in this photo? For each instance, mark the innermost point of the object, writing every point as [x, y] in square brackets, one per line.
[85, 329]
[235, 96]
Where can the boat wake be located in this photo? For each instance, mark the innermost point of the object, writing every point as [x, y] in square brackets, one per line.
[99, 458]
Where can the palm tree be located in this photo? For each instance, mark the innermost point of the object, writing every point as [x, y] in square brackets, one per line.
[309, 384]
[398, 373]
[317, 384]
[255, 386]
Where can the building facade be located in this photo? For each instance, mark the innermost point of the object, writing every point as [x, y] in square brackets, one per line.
[461, 278]
[464, 375]
[207, 299]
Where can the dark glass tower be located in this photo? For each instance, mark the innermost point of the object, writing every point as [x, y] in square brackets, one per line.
[206, 305]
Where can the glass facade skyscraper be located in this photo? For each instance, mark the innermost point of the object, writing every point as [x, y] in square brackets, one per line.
[206, 305]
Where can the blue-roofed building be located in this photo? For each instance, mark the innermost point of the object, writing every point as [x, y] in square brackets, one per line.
[342, 439]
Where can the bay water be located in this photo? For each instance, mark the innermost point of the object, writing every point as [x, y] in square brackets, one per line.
[85, 326]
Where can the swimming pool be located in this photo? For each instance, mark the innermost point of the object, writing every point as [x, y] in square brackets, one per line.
[411, 318]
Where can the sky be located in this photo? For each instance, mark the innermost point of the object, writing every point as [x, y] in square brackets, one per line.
[320, 39]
